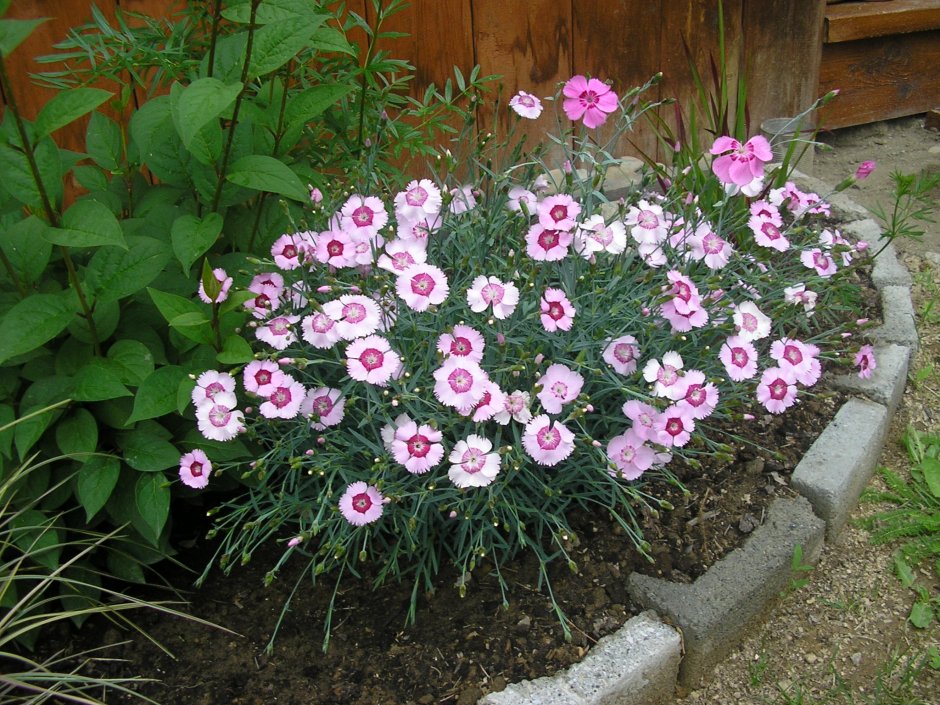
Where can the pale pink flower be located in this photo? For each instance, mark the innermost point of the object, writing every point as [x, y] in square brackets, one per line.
[195, 469]
[799, 294]
[821, 261]
[401, 254]
[751, 324]
[286, 252]
[418, 230]
[295, 541]
[526, 105]
[594, 236]
[372, 360]
[472, 463]
[365, 244]
[388, 430]
[630, 454]
[316, 195]
[643, 417]
[211, 383]
[699, 396]
[324, 406]
[560, 385]
[558, 212]
[421, 286]
[261, 377]
[777, 390]
[420, 199]
[278, 332]
[865, 361]
[361, 504]
[320, 331]
[674, 426]
[717, 251]
[664, 376]
[220, 420]
[767, 233]
[417, 447]
[490, 291]
[363, 213]
[491, 403]
[515, 407]
[557, 313]
[647, 223]
[799, 357]
[284, 400]
[547, 245]
[621, 354]
[267, 299]
[459, 383]
[740, 164]
[355, 315]
[739, 357]
[225, 281]
[547, 442]
[520, 197]
[589, 99]
[462, 199]
[684, 310]
[463, 342]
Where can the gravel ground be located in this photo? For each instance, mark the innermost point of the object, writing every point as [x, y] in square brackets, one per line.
[831, 640]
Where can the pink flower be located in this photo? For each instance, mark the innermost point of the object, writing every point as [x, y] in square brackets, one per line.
[316, 195]
[519, 197]
[355, 315]
[491, 403]
[286, 252]
[363, 213]
[490, 291]
[799, 294]
[816, 259]
[621, 354]
[594, 236]
[547, 442]
[740, 164]
[220, 420]
[739, 357]
[224, 280]
[417, 447]
[864, 170]
[401, 254]
[674, 426]
[767, 233]
[665, 376]
[698, 396]
[750, 322]
[284, 400]
[560, 385]
[630, 454]
[462, 199]
[211, 383]
[418, 230]
[799, 357]
[421, 286]
[777, 390]
[459, 383]
[557, 313]
[195, 469]
[717, 251]
[472, 463]
[420, 199]
[268, 288]
[643, 417]
[324, 406]
[388, 430]
[526, 105]
[464, 342]
[335, 248]
[516, 407]
[558, 212]
[361, 504]
[261, 377]
[590, 99]
[865, 361]
[647, 223]
[320, 331]
[295, 541]
[547, 245]
[278, 332]
[372, 360]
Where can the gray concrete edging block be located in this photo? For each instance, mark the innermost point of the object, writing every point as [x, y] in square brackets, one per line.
[887, 381]
[898, 313]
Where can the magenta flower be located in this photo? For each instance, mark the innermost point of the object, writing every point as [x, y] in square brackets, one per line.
[589, 99]
[865, 361]
[261, 377]
[557, 313]
[547, 442]
[739, 357]
[464, 342]
[284, 400]
[526, 105]
[361, 504]
[324, 406]
[490, 291]
[630, 454]
[400, 254]
[547, 245]
[372, 360]
[558, 212]
[355, 315]
[816, 259]
[421, 286]
[740, 164]
[363, 213]
[224, 280]
[674, 426]
[220, 420]
[492, 402]
[417, 447]
[621, 354]
[320, 331]
[864, 170]
[286, 252]
[647, 223]
[560, 385]
[195, 469]
[515, 407]
[799, 357]
[777, 390]
[767, 232]
[459, 383]
[211, 383]
[335, 248]
[698, 396]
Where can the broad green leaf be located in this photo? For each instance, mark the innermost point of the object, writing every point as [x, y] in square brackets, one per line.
[146, 123]
[903, 571]
[332, 41]
[229, 58]
[126, 567]
[96, 480]
[921, 615]
[87, 223]
[67, 106]
[7, 416]
[33, 322]
[103, 141]
[131, 361]
[13, 32]
[77, 434]
[171, 306]
[148, 452]
[931, 468]
[78, 591]
[35, 534]
[312, 102]
[195, 326]
[157, 394]
[192, 237]
[18, 178]
[97, 381]
[269, 11]
[40, 395]
[235, 351]
[263, 173]
[153, 502]
[184, 394]
[27, 249]
[199, 103]
[106, 316]
[278, 42]
[206, 145]
[114, 274]
[92, 179]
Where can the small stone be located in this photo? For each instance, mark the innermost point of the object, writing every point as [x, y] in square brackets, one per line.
[934, 150]
[748, 523]
[523, 625]
[426, 699]
[810, 658]
[856, 658]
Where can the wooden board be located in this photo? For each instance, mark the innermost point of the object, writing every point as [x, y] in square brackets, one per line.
[881, 78]
[861, 20]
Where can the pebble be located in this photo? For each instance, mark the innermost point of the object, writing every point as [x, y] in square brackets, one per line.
[809, 658]
[934, 150]
[856, 658]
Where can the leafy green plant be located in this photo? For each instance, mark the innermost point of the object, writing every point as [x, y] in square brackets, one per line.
[914, 520]
[914, 203]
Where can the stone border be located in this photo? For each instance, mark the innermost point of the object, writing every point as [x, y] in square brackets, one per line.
[645, 660]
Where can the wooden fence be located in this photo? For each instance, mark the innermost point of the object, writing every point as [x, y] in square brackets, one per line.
[534, 44]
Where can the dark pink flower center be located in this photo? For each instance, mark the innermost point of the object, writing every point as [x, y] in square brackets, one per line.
[322, 406]
[712, 244]
[335, 248]
[667, 375]
[683, 290]
[778, 389]
[214, 388]
[820, 261]
[195, 469]
[279, 326]
[372, 359]
[623, 352]
[461, 346]
[354, 313]
[362, 502]
[558, 212]
[548, 239]
[418, 446]
[555, 311]
[289, 251]
[219, 416]
[402, 260]
[560, 389]
[280, 397]
[771, 231]
[695, 395]
[262, 377]
[492, 293]
[648, 220]
[588, 98]
[472, 461]
[460, 380]
[739, 357]
[674, 426]
[792, 354]
[363, 216]
[749, 322]
[549, 438]
[422, 284]
[321, 323]
[416, 196]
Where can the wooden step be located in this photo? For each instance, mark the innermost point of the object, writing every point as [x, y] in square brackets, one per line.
[849, 21]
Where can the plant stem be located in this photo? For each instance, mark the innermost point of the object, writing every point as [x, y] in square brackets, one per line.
[13, 276]
[51, 212]
[216, 20]
[362, 81]
[238, 104]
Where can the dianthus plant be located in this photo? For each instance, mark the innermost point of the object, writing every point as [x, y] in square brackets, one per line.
[446, 370]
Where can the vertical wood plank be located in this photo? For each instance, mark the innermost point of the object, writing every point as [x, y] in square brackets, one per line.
[783, 50]
[621, 42]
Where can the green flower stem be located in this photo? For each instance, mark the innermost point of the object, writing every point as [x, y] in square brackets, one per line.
[216, 21]
[13, 276]
[51, 213]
